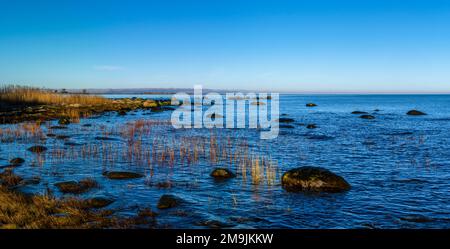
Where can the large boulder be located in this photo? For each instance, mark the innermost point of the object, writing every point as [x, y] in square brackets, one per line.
[415, 113]
[313, 179]
[222, 173]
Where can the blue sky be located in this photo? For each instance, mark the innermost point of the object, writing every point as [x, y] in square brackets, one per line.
[321, 45]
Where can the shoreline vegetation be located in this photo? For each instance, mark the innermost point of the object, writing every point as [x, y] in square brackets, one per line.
[19, 104]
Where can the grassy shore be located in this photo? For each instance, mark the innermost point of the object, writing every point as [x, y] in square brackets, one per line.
[19, 104]
[18, 210]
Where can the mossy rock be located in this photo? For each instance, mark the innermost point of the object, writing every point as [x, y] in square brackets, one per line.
[313, 179]
[168, 201]
[37, 149]
[415, 113]
[222, 173]
[122, 175]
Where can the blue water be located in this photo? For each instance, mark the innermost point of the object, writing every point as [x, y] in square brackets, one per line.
[398, 166]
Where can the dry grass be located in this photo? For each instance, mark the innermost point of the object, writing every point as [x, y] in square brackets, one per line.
[45, 211]
[21, 95]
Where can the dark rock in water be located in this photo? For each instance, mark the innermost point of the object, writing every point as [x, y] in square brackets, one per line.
[97, 202]
[62, 137]
[51, 135]
[64, 121]
[122, 113]
[310, 105]
[31, 181]
[320, 137]
[311, 126]
[287, 126]
[416, 218]
[105, 138]
[9, 179]
[74, 187]
[87, 125]
[313, 179]
[214, 224]
[17, 161]
[168, 201]
[415, 113]
[367, 117]
[214, 116]
[359, 112]
[222, 173]
[37, 149]
[286, 120]
[72, 144]
[58, 127]
[122, 175]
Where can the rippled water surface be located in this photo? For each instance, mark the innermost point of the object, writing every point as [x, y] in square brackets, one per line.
[398, 165]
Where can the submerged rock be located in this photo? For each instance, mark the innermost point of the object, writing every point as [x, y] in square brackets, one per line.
[37, 149]
[168, 201]
[416, 218]
[74, 187]
[359, 112]
[310, 105]
[222, 173]
[285, 120]
[320, 137]
[214, 224]
[286, 126]
[367, 117]
[62, 137]
[415, 113]
[121, 175]
[121, 113]
[17, 161]
[313, 179]
[97, 202]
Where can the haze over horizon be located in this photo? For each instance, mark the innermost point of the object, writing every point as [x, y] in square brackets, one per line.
[296, 46]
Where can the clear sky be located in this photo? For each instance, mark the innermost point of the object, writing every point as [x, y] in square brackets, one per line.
[316, 45]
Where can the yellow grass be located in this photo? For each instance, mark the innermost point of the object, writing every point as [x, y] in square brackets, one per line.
[28, 95]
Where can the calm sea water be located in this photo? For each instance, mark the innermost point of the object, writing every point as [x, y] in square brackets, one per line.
[398, 166]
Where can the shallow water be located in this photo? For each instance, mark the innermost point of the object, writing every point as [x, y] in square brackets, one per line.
[398, 166]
